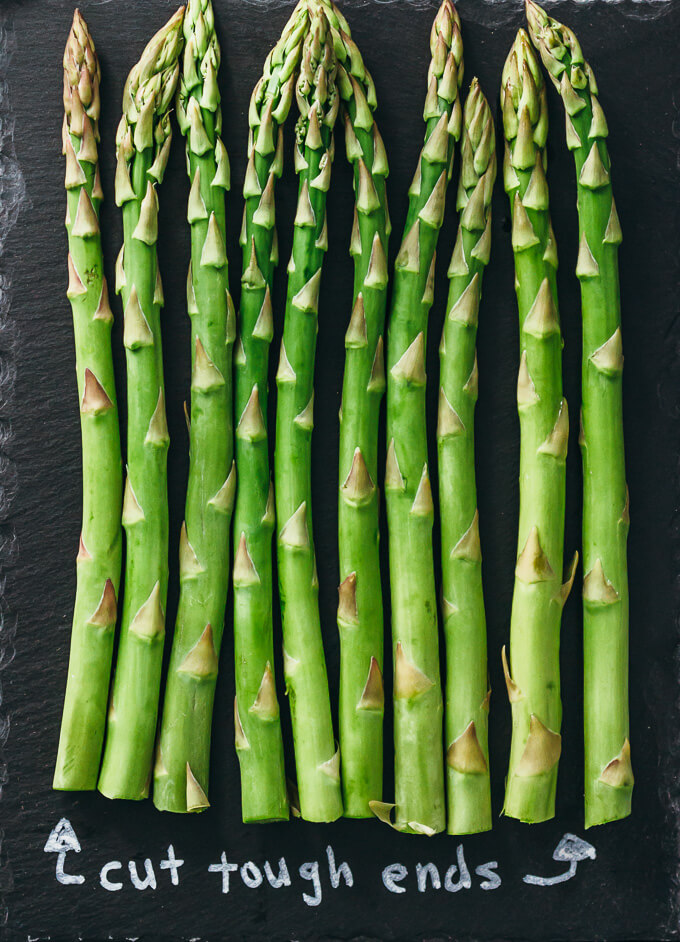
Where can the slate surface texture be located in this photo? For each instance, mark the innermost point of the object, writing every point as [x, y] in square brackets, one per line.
[630, 890]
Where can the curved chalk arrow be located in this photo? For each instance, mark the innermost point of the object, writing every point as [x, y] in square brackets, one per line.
[572, 849]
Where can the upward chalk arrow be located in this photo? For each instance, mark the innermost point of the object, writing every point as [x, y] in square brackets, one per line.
[63, 839]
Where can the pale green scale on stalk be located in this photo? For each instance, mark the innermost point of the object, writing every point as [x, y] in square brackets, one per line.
[467, 693]
[316, 757]
[360, 610]
[418, 707]
[258, 740]
[181, 771]
[99, 558]
[533, 674]
[608, 770]
[143, 145]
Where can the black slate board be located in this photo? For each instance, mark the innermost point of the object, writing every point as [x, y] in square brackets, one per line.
[630, 890]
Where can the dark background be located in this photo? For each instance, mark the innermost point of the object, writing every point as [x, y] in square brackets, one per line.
[630, 890]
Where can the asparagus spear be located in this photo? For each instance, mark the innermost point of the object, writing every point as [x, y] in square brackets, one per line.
[534, 687]
[467, 699]
[143, 144]
[99, 559]
[181, 773]
[360, 613]
[317, 761]
[419, 771]
[608, 772]
[256, 710]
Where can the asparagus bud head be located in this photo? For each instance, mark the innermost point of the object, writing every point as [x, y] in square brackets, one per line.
[445, 33]
[523, 99]
[201, 53]
[154, 77]
[555, 42]
[478, 144]
[81, 78]
[316, 91]
[275, 88]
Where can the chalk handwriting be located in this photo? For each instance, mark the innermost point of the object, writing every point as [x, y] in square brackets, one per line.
[172, 864]
[464, 881]
[283, 878]
[392, 877]
[337, 873]
[493, 881]
[315, 876]
[457, 876]
[310, 871]
[252, 875]
[111, 885]
[225, 869]
[148, 881]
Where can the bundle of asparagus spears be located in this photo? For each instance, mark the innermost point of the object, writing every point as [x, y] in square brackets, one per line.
[122, 728]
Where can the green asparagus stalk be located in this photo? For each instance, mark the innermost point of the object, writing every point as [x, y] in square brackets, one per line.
[360, 612]
[181, 773]
[608, 771]
[419, 767]
[99, 559]
[316, 758]
[467, 695]
[256, 710]
[534, 687]
[143, 144]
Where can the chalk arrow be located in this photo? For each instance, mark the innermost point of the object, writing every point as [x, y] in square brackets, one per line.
[572, 849]
[63, 839]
